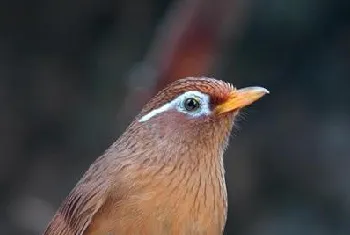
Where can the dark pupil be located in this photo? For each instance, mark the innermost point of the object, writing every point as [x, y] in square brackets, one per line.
[191, 104]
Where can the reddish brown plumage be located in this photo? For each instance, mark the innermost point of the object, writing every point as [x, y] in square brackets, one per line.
[218, 91]
[162, 176]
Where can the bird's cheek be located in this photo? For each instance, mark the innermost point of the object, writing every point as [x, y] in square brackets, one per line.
[164, 126]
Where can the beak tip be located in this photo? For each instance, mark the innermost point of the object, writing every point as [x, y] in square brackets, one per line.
[261, 90]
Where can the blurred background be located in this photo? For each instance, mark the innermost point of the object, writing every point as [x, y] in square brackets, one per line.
[74, 72]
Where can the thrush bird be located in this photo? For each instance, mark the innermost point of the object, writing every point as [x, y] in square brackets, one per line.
[165, 173]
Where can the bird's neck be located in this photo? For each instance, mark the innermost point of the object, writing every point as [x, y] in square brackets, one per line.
[172, 179]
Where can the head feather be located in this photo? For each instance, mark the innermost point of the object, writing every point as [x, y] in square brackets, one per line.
[217, 90]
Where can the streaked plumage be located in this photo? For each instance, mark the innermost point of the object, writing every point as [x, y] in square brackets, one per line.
[164, 175]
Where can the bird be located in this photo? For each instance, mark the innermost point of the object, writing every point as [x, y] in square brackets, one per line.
[164, 175]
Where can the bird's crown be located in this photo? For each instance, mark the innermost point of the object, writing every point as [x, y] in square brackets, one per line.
[197, 96]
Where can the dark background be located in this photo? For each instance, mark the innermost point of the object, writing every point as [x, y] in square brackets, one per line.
[74, 72]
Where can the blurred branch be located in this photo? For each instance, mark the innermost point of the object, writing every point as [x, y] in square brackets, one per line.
[186, 44]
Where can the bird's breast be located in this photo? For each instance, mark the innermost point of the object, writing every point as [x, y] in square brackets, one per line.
[168, 201]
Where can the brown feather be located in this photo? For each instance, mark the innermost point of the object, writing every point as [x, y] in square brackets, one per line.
[216, 89]
[163, 176]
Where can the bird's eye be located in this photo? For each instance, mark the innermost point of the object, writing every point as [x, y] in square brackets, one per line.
[191, 104]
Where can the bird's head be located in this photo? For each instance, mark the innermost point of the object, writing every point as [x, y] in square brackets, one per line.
[191, 116]
[193, 112]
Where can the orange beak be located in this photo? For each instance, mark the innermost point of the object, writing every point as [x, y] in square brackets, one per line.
[241, 98]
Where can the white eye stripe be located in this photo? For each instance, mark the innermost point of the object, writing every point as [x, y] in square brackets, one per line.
[154, 112]
[177, 103]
